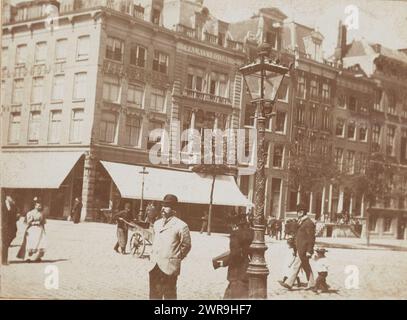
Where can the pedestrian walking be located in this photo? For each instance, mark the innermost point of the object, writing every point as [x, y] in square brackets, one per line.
[9, 226]
[321, 267]
[34, 242]
[76, 211]
[289, 261]
[241, 238]
[172, 243]
[122, 228]
[305, 240]
[204, 219]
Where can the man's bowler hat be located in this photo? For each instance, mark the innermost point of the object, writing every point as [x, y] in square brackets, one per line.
[170, 200]
[302, 207]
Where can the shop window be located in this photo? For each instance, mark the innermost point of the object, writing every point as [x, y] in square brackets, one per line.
[372, 223]
[387, 224]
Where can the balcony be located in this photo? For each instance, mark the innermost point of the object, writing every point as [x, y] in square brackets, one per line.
[210, 38]
[187, 31]
[203, 96]
[234, 45]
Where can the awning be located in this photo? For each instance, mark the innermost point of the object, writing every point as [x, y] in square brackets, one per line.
[189, 187]
[36, 170]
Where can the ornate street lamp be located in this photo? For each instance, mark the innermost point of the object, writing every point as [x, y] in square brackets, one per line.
[141, 211]
[263, 78]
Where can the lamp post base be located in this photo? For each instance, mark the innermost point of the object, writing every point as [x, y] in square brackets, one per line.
[258, 270]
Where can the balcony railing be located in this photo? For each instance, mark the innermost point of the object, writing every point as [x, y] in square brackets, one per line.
[189, 32]
[234, 45]
[206, 96]
[210, 38]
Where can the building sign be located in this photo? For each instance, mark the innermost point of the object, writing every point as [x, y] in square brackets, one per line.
[207, 54]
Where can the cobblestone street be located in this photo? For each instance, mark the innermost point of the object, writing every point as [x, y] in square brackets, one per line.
[90, 269]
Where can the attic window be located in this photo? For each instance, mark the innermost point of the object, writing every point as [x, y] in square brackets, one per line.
[271, 38]
[155, 16]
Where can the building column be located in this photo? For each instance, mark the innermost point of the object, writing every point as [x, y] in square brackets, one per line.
[88, 187]
[340, 200]
[362, 207]
[322, 203]
[351, 205]
[311, 200]
[330, 199]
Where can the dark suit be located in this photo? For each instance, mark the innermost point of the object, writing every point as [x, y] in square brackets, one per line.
[240, 240]
[9, 228]
[76, 212]
[122, 229]
[304, 241]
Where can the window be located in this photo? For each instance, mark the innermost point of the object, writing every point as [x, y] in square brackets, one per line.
[58, 88]
[133, 129]
[40, 52]
[339, 157]
[278, 156]
[108, 126]
[326, 92]
[195, 79]
[82, 52]
[403, 147]
[76, 125]
[218, 84]
[18, 91]
[351, 130]
[54, 133]
[37, 90]
[372, 223]
[157, 102]
[34, 126]
[79, 86]
[280, 122]
[249, 115]
[14, 128]
[160, 62]
[340, 128]
[271, 38]
[387, 224]
[152, 126]
[300, 115]
[313, 116]
[363, 106]
[378, 101]
[267, 150]
[301, 87]
[342, 101]
[314, 88]
[283, 92]
[376, 133]
[391, 134]
[363, 133]
[138, 56]
[135, 94]
[4, 57]
[21, 54]
[350, 162]
[111, 89]
[3, 92]
[114, 49]
[60, 49]
[362, 163]
[155, 16]
[352, 103]
[392, 104]
[325, 119]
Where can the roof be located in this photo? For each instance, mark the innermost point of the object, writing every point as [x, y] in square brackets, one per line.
[362, 48]
[239, 30]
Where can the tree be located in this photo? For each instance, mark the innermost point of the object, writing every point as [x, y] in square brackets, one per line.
[376, 182]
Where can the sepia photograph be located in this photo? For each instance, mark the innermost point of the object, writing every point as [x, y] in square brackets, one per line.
[210, 150]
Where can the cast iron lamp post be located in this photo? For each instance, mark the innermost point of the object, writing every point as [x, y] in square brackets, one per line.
[263, 78]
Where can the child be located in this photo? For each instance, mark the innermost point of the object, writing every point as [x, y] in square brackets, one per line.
[290, 259]
[321, 267]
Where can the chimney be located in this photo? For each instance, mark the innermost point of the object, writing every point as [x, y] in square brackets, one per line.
[341, 43]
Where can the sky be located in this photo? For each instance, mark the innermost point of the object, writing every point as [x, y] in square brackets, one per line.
[381, 21]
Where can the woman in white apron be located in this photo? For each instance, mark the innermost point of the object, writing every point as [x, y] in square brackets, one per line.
[33, 246]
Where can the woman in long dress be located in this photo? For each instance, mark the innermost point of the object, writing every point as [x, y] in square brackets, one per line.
[33, 246]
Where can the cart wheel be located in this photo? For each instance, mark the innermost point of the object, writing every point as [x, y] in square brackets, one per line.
[137, 244]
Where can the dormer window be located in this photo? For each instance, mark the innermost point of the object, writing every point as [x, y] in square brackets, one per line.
[271, 39]
[155, 16]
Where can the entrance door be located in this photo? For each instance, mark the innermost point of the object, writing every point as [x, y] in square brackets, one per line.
[400, 228]
[57, 202]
